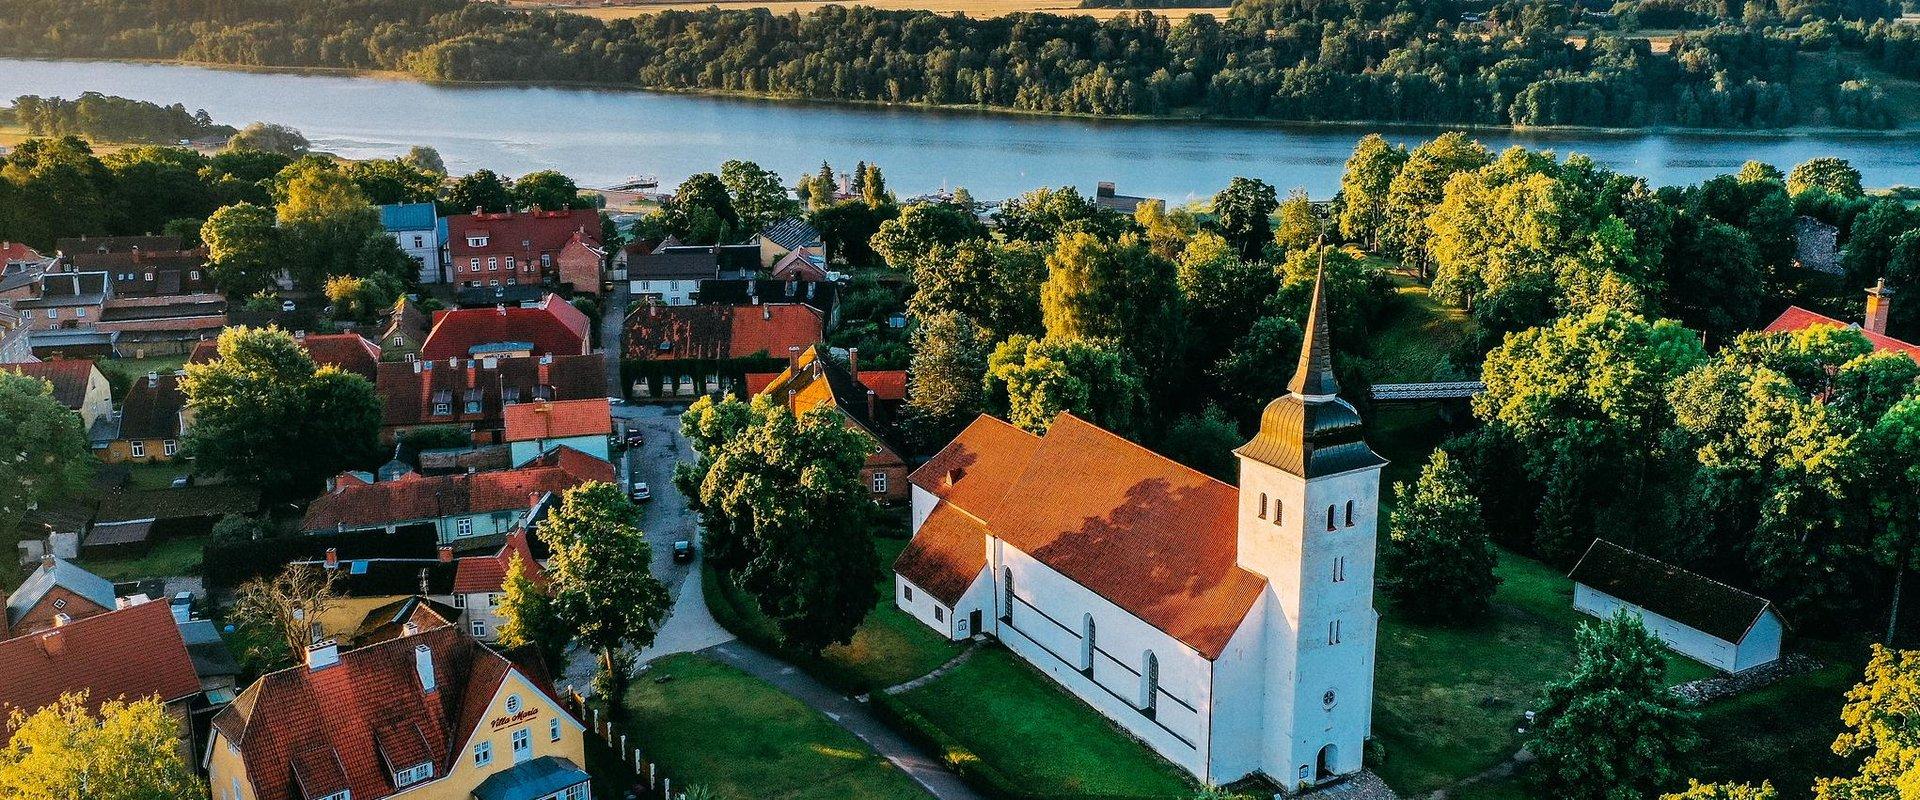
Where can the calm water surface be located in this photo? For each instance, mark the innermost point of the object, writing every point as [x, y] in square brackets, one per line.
[603, 136]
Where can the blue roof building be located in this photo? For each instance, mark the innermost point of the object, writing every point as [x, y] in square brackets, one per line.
[421, 232]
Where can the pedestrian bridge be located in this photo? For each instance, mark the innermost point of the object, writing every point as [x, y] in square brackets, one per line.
[1426, 392]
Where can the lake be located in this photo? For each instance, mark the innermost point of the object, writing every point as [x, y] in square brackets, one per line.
[600, 137]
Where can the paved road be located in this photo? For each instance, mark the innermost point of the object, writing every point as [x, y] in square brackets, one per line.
[612, 321]
[855, 717]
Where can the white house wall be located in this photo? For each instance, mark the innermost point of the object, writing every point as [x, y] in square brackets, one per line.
[1047, 620]
[921, 605]
[923, 503]
[1687, 641]
[1762, 644]
[1239, 686]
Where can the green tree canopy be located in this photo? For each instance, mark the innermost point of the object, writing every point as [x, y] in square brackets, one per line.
[1244, 213]
[601, 573]
[1031, 381]
[1611, 730]
[548, 190]
[243, 248]
[758, 195]
[48, 450]
[128, 750]
[1438, 561]
[1827, 173]
[269, 137]
[483, 190]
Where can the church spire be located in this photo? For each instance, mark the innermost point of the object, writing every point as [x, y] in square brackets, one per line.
[1314, 378]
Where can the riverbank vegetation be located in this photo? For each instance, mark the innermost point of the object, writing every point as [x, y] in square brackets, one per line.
[114, 119]
[1313, 60]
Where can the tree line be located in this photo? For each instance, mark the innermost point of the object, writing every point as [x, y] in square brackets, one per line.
[115, 119]
[1289, 61]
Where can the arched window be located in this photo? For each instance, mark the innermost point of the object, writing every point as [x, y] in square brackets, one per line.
[1006, 615]
[1150, 683]
[1087, 644]
[1329, 517]
[1349, 513]
[1263, 505]
[1279, 510]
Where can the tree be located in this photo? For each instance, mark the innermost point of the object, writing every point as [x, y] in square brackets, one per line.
[1300, 225]
[1419, 187]
[264, 414]
[1029, 382]
[1243, 212]
[873, 187]
[946, 387]
[47, 449]
[128, 750]
[1045, 213]
[847, 229]
[601, 573]
[1364, 186]
[701, 212]
[1253, 370]
[921, 227]
[1892, 449]
[1833, 175]
[758, 196]
[268, 137]
[1113, 290]
[1167, 232]
[1724, 791]
[386, 181]
[1205, 441]
[426, 159]
[243, 248]
[326, 220]
[529, 615]
[547, 190]
[996, 285]
[1611, 730]
[155, 184]
[1871, 240]
[480, 190]
[1881, 729]
[1715, 281]
[53, 188]
[284, 609]
[1438, 562]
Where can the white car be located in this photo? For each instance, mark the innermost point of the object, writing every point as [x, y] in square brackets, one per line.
[286, 305]
[640, 493]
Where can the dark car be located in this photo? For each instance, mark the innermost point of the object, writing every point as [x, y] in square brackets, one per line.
[682, 551]
[635, 438]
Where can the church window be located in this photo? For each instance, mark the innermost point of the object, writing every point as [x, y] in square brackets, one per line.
[1279, 510]
[1087, 645]
[1329, 517]
[1333, 632]
[1007, 615]
[1263, 505]
[907, 592]
[1150, 683]
[1339, 568]
[1349, 513]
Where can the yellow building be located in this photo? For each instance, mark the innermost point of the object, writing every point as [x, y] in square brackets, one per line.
[153, 420]
[430, 715]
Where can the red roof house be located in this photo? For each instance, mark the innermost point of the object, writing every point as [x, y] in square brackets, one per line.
[657, 333]
[487, 574]
[128, 654]
[1796, 318]
[542, 419]
[348, 351]
[526, 248]
[475, 392]
[551, 326]
[458, 506]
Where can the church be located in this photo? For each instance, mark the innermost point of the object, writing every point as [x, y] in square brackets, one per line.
[1231, 629]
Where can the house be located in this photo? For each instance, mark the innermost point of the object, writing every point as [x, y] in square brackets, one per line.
[77, 384]
[654, 333]
[1230, 629]
[822, 295]
[63, 300]
[73, 343]
[457, 507]
[128, 522]
[16, 340]
[537, 427]
[785, 237]
[1874, 326]
[1105, 197]
[389, 620]
[551, 326]
[431, 714]
[473, 393]
[349, 351]
[17, 257]
[153, 419]
[867, 401]
[128, 653]
[1698, 617]
[421, 233]
[81, 248]
[56, 593]
[152, 273]
[163, 324]
[804, 265]
[479, 584]
[670, 278]
[403, 329]
[531, 247]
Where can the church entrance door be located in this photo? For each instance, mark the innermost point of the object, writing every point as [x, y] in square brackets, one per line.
[973, 621]
[1324, 770]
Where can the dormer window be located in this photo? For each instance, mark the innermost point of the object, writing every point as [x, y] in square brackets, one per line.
[543, 392]
[477, 241]
[412, 775]
[345, 794]
[510, 395]
[472, 401]
[442, 402]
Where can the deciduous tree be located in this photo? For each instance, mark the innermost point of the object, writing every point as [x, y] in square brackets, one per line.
[601, 573]
[128, 750]
[1611, 730]
[482, 189]
[242, 248]
[1031, 381]
[47, 449]
[1244, 211]
[530, 617]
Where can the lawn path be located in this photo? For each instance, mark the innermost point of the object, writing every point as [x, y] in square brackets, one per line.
[936, 673]
[856, 718]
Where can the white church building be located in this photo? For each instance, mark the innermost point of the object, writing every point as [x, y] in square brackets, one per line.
[1232, 630]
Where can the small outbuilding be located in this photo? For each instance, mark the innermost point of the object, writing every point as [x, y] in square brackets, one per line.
[1696, 616]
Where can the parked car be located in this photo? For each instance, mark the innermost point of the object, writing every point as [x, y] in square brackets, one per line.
[286, 305]
[682, 551]
[182, 481]
[635, 438]
[641, 493]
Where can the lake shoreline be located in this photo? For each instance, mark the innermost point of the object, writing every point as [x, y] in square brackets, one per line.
[1545, 132]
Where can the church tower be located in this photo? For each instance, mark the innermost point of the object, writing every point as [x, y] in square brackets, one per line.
[1309, 503]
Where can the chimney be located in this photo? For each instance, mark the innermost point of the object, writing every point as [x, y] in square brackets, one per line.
[473, 374]
[793, 358]
[423, 664]
[500, 309]
[322, 654]
[333, 558]
[54, 643]
[446, 554]
[853, 362]
[46, 562]
[1879, 300]
[410, 629]
[766, 312]
[62, 619]
[153, 379]
[300, 336]
[545, 370]
[873, 404]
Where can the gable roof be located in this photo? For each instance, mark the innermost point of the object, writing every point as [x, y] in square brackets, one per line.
[816, 381]
[527, 233]
[1151, 536]
[73, 245]
[552, 326]
[131, 653]
[946, 554]
[791, 233]
[352, 504]
[304, 732]
[718, 332]
[488, 573]
[186, 502]
[407, 389]
[674, 265]
[348, 351]
[1796, 318]
[68, 376]
[61, 573]
[409, 217]
[542, 419]
[1689, 598]
[152, 408]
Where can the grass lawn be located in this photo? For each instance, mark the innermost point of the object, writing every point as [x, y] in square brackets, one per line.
[1042, 740]
[176, 556]
[157, 475]
[1417, 340]
[1783, 733]
[1448, 700]
[716, 726]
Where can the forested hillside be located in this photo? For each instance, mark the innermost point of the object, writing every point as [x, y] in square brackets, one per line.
[1521, 64]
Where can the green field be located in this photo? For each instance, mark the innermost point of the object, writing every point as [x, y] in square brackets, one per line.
[711, 725]
[176, 556]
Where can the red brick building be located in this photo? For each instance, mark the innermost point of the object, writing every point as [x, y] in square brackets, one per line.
[867, 401]
[521, 248]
